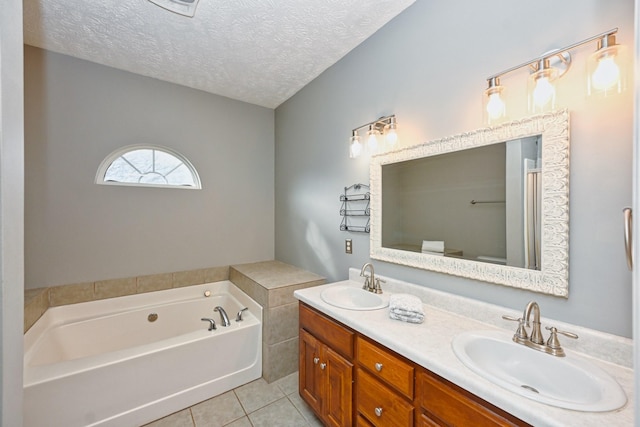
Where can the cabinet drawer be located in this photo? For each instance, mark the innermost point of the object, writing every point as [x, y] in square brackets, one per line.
[455, 406]
[380, 405]
[362, 422]
[331, 333]
[386, 366]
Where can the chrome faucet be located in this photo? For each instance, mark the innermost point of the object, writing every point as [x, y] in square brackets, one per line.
[371, 283]
[223, 316]
[536, 333]
[535, 340]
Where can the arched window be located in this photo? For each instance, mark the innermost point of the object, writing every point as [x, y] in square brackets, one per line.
[147, 166]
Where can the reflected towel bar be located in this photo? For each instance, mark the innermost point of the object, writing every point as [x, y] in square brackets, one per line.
[475, 202]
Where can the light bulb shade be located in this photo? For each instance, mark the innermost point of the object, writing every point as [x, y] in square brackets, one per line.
[391, 136]
[542, 89]
[373, 143]
[494, 105]
[607, 68]
[355, 146]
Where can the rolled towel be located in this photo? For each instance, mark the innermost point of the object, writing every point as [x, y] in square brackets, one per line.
[433, 246]
[405, 307]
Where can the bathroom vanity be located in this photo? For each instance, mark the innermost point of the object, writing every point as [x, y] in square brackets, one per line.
[343, 372]
[361, 368]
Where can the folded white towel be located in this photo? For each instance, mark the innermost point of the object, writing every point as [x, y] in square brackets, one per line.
[405, 307]
[433, 253]
[407, 319]
[433, 246]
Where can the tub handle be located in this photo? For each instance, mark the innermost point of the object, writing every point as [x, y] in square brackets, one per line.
[239, 315]
[212, 323]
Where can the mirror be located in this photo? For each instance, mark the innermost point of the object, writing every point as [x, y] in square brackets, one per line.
[489, 205]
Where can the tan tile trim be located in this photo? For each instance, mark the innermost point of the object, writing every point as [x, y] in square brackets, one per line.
[38, 300]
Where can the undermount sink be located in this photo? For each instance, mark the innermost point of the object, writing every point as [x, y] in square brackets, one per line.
[566, 382]
[352, 297]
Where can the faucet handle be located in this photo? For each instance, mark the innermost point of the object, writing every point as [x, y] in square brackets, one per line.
[239, 315]
[553, 337]
[553, 344]
[521, 332]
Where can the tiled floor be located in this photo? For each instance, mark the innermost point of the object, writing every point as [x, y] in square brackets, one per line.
[255, 404]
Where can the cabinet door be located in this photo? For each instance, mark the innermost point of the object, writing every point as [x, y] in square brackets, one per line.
[338, 385]
[310, 386]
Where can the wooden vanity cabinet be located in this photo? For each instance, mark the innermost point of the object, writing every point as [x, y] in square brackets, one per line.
[326, 370]
[389, 390]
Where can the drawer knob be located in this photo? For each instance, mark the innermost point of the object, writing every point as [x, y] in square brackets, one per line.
[316, 360]
[378, 412]
[323, 365]
[378, 367]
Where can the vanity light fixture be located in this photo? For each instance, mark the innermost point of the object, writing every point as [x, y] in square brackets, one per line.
[606, 67]
[386, 126]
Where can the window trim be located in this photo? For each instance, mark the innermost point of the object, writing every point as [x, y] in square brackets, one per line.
[106, 163]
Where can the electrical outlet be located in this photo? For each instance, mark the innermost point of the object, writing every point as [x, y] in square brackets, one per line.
[348, 248]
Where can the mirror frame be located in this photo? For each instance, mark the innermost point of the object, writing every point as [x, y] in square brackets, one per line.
[553, 278]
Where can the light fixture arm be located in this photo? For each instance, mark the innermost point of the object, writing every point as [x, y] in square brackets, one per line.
[557, 52]
[378, 124]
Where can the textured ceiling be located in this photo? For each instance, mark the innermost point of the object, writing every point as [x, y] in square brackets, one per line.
[257, 51]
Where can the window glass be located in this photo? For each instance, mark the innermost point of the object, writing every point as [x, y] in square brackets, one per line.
[148, 166]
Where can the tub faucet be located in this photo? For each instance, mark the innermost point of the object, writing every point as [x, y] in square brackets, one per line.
[223, 316]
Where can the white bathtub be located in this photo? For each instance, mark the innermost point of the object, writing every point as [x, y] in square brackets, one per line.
[103, 363]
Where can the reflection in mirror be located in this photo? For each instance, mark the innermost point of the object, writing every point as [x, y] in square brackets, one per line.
[491, 205]
[480, 204]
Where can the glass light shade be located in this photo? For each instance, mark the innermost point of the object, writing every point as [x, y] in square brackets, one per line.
[607, 71]
[355, 146]
[373, 145]
[542, 90]
[495, 107]
[392, 136]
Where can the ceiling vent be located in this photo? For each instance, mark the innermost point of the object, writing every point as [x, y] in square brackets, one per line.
[181, 7]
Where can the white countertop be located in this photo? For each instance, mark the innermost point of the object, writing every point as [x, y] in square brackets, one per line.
[429, 344]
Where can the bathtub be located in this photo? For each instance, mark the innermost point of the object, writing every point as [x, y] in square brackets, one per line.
[108, 363]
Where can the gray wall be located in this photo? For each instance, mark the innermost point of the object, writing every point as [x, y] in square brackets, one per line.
[428, 66]
[77, 113]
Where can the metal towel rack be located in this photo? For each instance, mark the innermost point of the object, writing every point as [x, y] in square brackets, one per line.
[355, 203]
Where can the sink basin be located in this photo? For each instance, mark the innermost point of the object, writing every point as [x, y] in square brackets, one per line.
[353, 297]
[566, 382]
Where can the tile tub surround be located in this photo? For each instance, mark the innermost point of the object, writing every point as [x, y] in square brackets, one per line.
[36, 301]
[272, 284]
[429, 345]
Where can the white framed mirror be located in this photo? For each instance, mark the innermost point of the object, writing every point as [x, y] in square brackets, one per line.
[490, 205]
